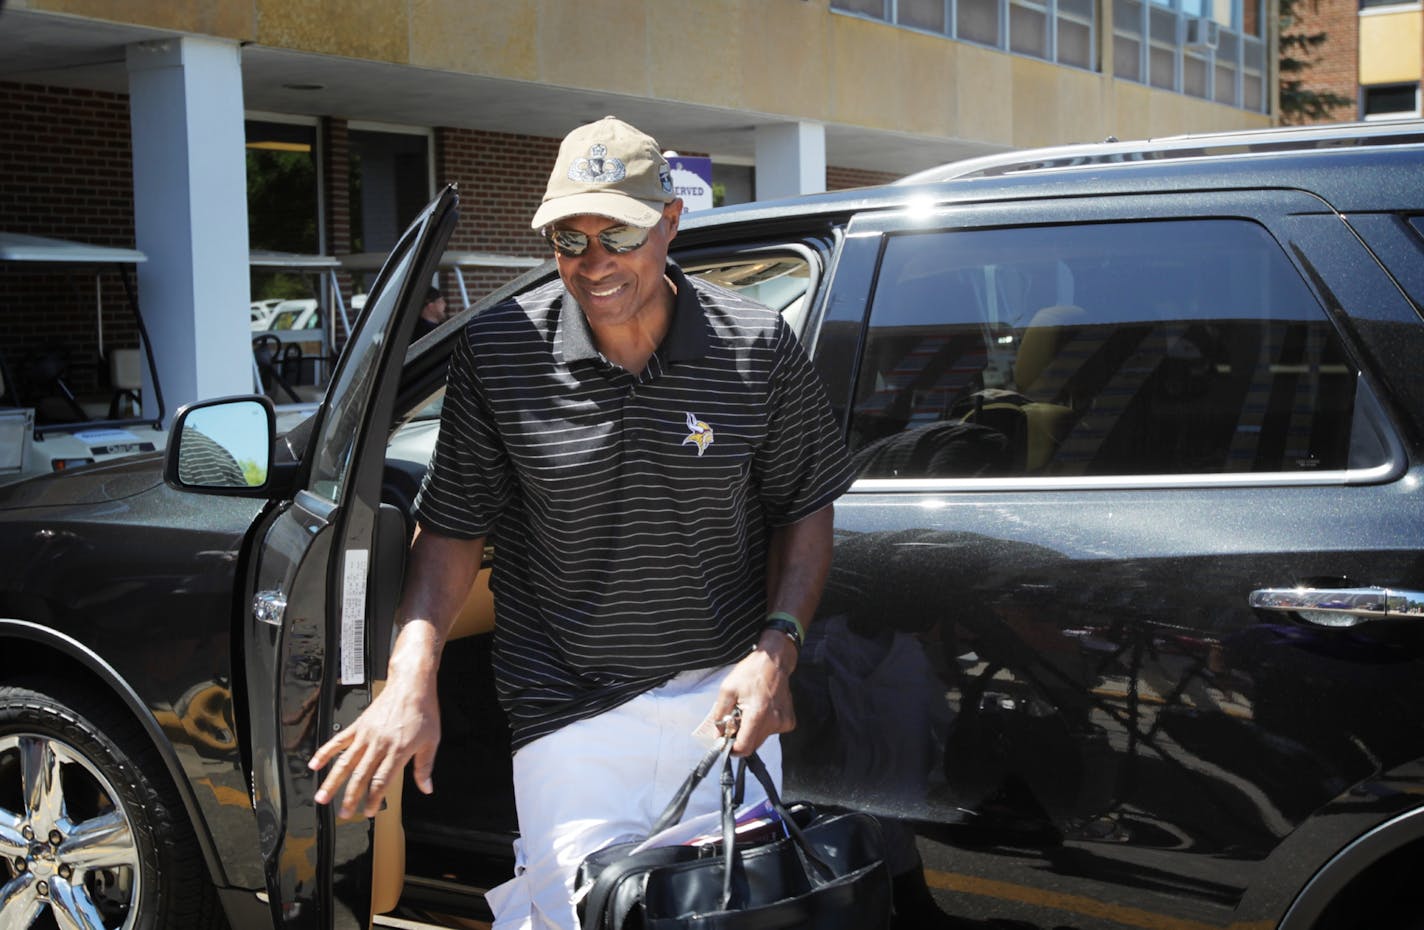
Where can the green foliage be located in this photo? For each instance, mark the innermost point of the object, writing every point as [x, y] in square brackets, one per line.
[1297, 54]
[253, 473]
[281, 201]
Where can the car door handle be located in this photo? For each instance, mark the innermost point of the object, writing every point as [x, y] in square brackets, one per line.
[269, 606]
[1341, 607]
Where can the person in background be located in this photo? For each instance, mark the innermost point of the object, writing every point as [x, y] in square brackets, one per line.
[432, 314]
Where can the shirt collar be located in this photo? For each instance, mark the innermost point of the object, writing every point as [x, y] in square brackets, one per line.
[686, 337]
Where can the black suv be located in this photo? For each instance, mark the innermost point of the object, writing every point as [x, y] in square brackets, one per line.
[1124, 627]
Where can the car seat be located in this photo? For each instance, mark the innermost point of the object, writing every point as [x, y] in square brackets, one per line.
[1035, 417]
[388, 833]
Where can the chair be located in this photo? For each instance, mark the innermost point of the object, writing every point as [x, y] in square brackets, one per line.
[272, 363]
[55, 401]
[126, 380]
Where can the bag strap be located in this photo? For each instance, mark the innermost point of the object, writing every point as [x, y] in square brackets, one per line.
[731, 797]
[674, 811]
[809, 858]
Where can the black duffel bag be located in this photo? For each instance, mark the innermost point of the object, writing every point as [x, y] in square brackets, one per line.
[819, 871]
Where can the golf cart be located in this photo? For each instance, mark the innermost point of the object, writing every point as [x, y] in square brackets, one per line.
[46, 424]
[296, 346]
[366, 264]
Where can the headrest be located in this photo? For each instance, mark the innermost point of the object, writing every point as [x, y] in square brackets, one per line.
[1042, 339]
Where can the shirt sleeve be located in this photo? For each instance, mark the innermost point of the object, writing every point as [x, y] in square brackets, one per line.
[803, 465]
[468, 482]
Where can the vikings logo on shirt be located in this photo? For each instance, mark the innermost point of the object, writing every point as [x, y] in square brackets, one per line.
[597, 168]
[700, 435]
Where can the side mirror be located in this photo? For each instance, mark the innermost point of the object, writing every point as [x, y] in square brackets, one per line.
[222, 446]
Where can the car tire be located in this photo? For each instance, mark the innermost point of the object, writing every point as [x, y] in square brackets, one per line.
[90, 823]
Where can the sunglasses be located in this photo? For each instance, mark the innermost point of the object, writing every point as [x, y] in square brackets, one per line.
[618, 240]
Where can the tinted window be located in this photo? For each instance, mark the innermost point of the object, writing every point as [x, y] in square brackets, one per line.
[1150, 348]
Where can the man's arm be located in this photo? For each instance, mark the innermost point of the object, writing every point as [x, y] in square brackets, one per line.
[798, 561]
[403, 722]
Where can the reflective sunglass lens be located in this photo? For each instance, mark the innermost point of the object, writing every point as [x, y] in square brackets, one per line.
[622, 239]
[568, 243]
[616, 239]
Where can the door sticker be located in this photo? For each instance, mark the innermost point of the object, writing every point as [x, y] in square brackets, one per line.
[353, 617]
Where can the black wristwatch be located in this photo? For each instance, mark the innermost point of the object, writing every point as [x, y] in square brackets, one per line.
[791, 628]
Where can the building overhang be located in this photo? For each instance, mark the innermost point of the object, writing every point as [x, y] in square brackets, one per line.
[67, 51]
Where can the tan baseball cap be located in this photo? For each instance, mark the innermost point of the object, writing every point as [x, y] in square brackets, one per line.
[610, 169]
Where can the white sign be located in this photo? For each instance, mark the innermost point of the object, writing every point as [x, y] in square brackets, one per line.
[692, 181]
[353, 617]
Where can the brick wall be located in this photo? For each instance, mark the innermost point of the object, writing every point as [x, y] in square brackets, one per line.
[501, 179]
[1335, 66]
[66, 171]
[842, 178]
[336, 178]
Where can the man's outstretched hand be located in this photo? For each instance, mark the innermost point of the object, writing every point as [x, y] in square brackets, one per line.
[401, 724]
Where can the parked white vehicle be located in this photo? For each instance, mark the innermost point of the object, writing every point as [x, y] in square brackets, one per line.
[46, 426]
[262, 313]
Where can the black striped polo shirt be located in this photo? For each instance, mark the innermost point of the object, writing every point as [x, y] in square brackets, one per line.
[630, 512]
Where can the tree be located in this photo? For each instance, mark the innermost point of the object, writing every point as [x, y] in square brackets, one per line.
[1297, 55]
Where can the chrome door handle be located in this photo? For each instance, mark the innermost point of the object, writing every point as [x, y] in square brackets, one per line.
[269, 606]
[1341, 607]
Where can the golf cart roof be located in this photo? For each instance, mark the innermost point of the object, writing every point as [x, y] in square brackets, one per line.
[17, 247]
[261, 258]
[372, 261]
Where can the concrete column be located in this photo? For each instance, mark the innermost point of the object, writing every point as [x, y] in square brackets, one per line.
[190, 215]
[790, 160]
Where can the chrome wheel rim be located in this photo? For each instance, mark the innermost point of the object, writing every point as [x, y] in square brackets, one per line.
[67, 845]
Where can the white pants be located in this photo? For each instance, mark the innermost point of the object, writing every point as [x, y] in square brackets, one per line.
[601, 781]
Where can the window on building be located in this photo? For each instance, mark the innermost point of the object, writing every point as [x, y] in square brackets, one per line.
[1142, 348]
[880, 9]
[283, 207]
[1076, 35]
[1053, 30]
[390, 183]
[282, 211]
[1212, 49]
[928, 15]
[1389, 101]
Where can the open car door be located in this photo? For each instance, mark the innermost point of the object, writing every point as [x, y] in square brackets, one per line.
[325, 580]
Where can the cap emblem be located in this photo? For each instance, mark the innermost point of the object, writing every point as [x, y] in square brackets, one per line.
[597, 168]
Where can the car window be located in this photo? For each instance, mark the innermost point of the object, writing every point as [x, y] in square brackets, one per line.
[340, 429]
[1143, 348]
[780, 282]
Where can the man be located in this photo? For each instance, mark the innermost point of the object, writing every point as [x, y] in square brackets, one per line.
[432, 314]
[658, 461]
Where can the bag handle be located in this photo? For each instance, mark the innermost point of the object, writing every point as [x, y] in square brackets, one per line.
[733, 785]
[808, 855]
[674, 811]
